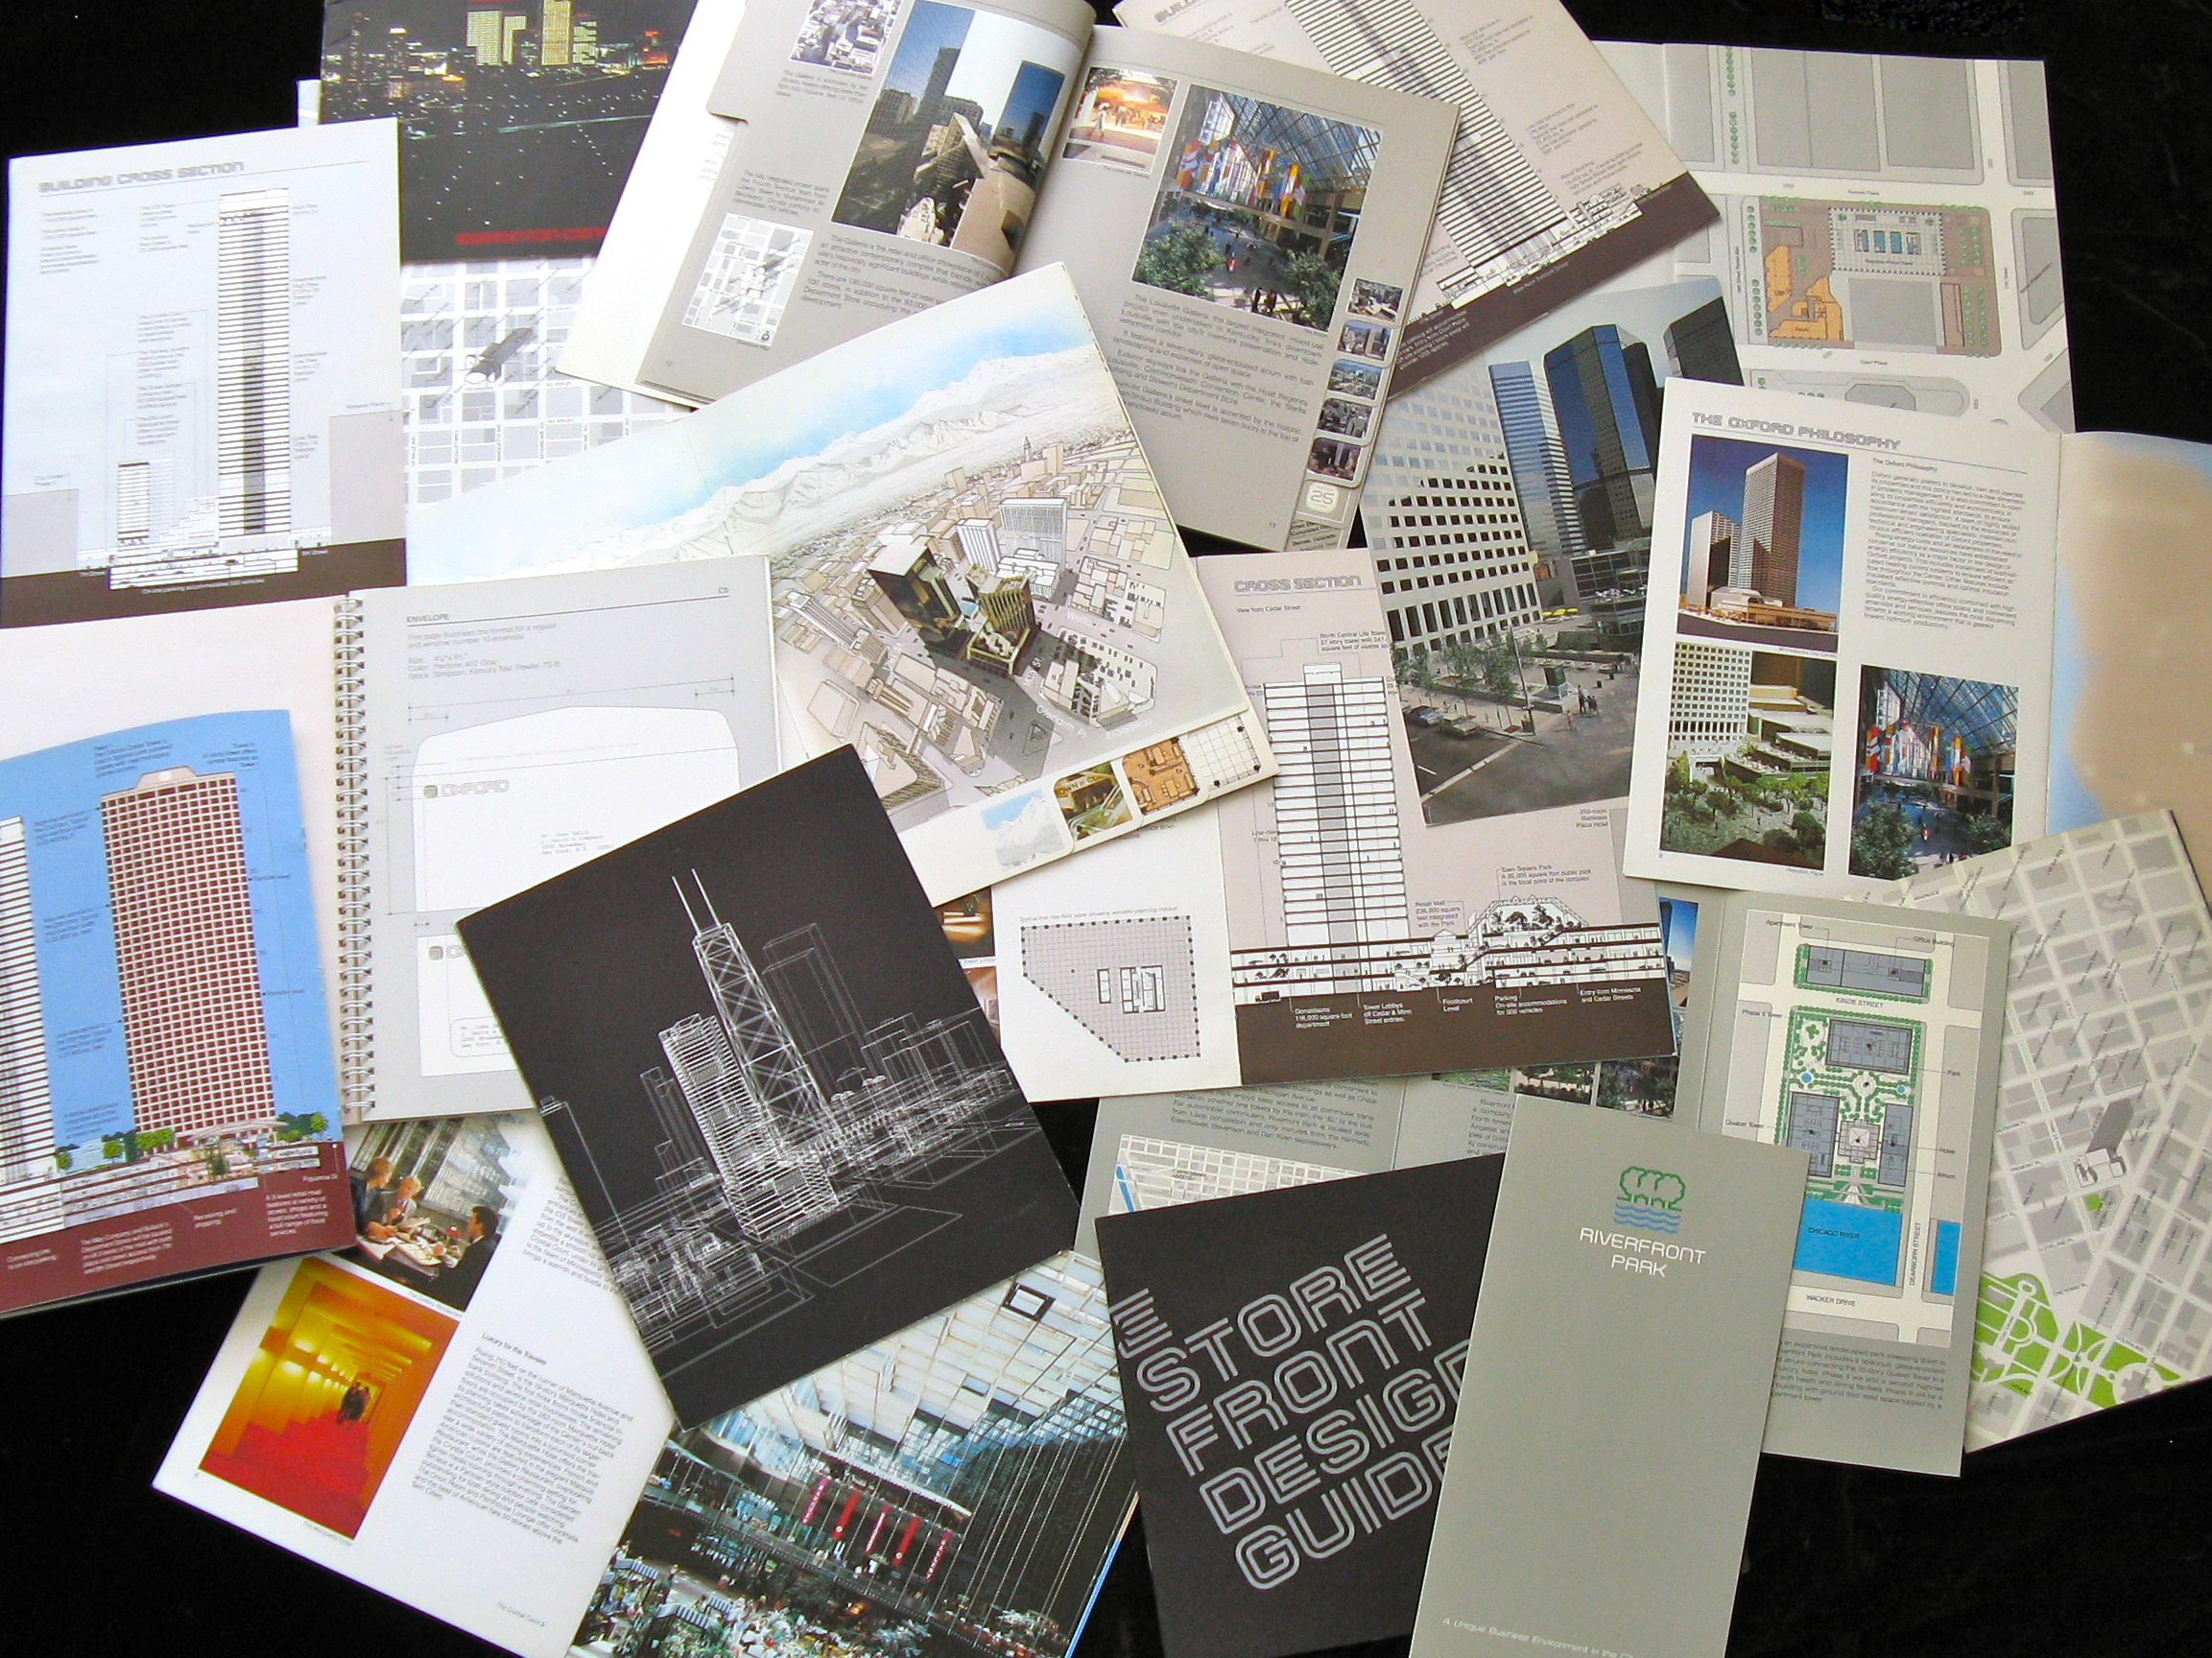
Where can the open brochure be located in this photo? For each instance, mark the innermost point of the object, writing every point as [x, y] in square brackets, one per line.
[168, 1100]
[1234, 226]
[976, 582]
[1893, 634]
[1557, 180]
[1888, 231]
[1360, 939]
[455, 1410]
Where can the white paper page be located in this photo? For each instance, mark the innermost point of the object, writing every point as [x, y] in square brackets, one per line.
[1114, 971]
[1960, 307]
[203, 382]
[489, 1472]
[514, 730]
[669, 185]
[1848, 641]
[64, 683]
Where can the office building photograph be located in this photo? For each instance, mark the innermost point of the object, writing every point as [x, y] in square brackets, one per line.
[956, 143]
[1751, 747]
[1258, 207]
[1512, 577]
[1763, 553]
[1934, 773]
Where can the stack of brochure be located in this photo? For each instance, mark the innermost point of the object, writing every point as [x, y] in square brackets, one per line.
[594, 721]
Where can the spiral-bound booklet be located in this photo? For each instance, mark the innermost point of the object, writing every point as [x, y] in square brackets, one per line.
[493, 734]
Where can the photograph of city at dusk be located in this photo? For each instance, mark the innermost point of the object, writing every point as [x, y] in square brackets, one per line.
[518, 119]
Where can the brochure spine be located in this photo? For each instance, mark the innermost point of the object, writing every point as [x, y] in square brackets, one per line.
[356, 1004]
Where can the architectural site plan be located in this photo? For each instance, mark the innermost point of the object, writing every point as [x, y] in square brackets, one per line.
[1888, 231]
[1866, 1038]
[975, 580]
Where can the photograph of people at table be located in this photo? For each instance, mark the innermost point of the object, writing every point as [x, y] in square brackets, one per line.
[429, 1201]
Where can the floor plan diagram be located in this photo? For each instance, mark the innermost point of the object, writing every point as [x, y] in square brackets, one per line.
[1127, 979]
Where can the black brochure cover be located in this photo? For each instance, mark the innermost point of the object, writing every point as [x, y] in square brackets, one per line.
[1291, 1363]
[772, 1087]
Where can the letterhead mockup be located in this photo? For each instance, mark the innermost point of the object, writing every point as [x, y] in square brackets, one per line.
[1616, 1388]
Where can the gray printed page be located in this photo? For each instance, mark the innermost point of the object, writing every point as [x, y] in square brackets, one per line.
[1616, 1382]
[1867, 1039]
[1152, 1150]
[514, 730]
[1244, 233]
[890, 159]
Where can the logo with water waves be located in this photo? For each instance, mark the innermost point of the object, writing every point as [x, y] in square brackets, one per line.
[1651, 1198]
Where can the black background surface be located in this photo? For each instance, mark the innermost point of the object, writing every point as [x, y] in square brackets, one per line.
[1203, 1262]
[2090, 1538]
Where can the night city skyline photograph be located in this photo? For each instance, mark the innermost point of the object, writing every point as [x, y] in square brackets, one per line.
[518, 119]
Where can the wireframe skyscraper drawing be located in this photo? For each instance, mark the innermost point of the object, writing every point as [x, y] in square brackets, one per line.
[1774, 514]
[254, 362]
[193, 1022]
[1607, 405]
[26, 1105]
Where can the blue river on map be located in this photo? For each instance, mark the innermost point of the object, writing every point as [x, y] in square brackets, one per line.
[1847, 1241]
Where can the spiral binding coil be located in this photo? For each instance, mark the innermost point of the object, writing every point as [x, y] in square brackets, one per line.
[356, 1007]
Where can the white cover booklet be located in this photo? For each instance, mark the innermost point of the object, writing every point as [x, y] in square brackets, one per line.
[1848, 641]
[975, 579]
[202, 387]
[462, 1422]
[1236, 225]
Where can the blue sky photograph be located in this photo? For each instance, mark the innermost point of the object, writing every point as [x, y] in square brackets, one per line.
[1717, 468]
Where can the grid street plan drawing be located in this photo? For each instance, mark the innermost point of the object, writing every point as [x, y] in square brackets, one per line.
[2097, 1272]
[781, 1107]
[976, 582]
[1889, 229]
